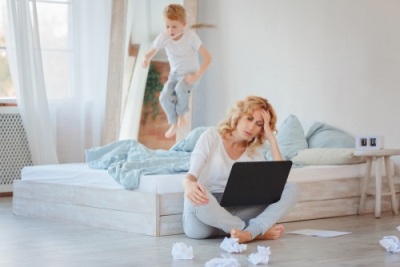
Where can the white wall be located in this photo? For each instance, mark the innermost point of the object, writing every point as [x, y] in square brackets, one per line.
[334, 61]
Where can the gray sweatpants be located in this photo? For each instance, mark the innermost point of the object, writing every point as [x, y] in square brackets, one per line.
[210, 220]
[174, 98]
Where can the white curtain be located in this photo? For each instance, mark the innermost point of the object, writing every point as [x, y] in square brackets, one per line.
[23, 49]
[76, 121]
[80, 118]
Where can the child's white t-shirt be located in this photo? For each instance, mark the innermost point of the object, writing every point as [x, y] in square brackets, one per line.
[183, 53]
[211, 164]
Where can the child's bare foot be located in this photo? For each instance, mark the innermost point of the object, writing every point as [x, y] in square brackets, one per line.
[181, 121]
[243, 236]
[171, 131]
[273, 233]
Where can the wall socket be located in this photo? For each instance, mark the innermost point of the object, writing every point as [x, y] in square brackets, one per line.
[369, 142]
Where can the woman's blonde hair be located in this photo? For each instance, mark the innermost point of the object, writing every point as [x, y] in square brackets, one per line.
[244, 108]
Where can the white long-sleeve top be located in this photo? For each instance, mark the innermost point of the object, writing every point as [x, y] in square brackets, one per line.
[211, 164]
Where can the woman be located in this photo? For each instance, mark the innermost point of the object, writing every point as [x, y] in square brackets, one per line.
[248, 125]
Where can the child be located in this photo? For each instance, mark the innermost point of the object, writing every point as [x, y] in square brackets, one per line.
[182, 48]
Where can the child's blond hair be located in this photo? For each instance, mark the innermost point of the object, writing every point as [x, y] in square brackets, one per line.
[178, 12]
[175, 12]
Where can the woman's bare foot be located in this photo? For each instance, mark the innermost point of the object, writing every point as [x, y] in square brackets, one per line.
[171, 131]
[273, 233]
[243, 236]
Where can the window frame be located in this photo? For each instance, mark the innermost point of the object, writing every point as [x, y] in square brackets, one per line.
[69, 51]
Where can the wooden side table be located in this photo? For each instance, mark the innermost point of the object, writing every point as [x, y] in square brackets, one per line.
[378, 155]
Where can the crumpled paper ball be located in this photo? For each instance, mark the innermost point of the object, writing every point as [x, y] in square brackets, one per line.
[222, 262]
[231, 245]
[261, 257]
[180, 251]
[390, 243]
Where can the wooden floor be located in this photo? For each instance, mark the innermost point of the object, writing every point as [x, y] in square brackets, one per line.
[36, 242]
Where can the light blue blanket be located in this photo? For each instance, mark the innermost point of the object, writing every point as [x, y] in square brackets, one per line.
[128, 160]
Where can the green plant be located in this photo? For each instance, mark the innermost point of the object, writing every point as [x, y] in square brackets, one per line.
[153, 86]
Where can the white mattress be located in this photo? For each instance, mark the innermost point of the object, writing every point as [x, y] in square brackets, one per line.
[80, 174]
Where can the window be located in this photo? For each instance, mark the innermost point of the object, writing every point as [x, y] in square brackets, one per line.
[55, 41]
[54, 20]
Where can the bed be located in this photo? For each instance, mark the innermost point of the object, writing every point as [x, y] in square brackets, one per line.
[104, 192]
[77, 193]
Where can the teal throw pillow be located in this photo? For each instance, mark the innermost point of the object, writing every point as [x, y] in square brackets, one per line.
[290, 137]
[322, 135]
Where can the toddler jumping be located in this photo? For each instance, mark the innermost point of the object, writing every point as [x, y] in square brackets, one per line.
[182, 48]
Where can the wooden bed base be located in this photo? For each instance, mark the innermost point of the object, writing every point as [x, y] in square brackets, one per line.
[161, 214]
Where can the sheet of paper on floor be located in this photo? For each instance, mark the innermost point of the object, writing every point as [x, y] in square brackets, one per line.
[319, 233]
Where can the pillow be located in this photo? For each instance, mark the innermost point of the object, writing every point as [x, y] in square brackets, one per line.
[190, 140]
[327, 156]
[290, 138]
[322, 135]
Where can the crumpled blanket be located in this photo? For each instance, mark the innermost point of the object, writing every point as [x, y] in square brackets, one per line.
[128, 160]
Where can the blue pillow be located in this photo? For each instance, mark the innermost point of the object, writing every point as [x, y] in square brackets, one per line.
[290, 137]
[190, 141]
[322, 135]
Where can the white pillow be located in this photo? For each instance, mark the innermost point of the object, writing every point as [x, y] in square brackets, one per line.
[327, 156]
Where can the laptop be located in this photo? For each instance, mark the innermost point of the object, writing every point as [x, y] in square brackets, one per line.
[255, 183]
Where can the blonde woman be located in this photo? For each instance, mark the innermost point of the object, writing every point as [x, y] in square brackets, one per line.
[249, 124]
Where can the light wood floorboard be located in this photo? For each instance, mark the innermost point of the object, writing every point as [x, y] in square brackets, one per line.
[36, 242]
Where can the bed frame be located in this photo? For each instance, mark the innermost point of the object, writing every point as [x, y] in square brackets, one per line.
[326, 191]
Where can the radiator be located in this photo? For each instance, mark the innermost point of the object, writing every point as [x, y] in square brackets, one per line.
[14, 149]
